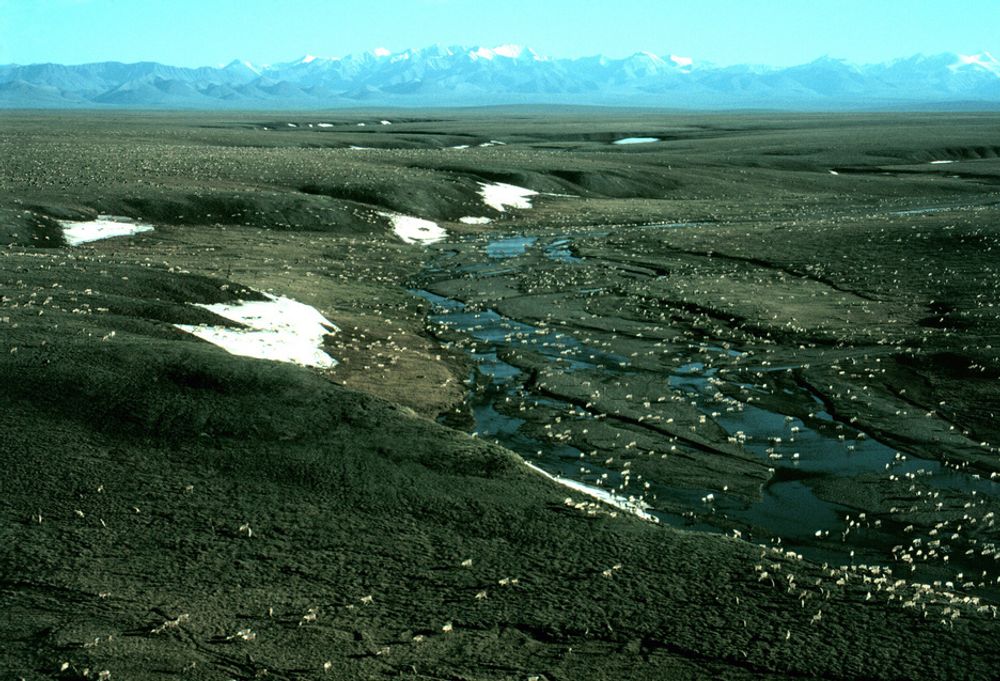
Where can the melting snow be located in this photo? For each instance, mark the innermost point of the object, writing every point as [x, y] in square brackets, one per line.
[681, 61]
[386, 122]
[475, 221]
[940, 162]
[637, 508]
[499, 195]
[415, 230]
[325, 125]
[279, 328]
[636, 140]
[460, 146]
[104, 227]
[834, 172]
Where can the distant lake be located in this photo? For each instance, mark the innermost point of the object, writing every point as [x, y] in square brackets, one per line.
[636, 140]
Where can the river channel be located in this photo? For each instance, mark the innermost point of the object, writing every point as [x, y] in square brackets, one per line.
[508, 402]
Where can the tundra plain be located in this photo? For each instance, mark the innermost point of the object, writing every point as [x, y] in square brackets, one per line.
[776, 337]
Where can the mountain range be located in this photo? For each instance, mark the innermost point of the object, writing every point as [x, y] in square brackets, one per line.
[509, 74]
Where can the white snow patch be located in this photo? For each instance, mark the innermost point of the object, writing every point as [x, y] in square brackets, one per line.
[292, 125]
[637, 508]
[308, 59]
[278, 328]
[984, 60]
[415, 230]
[381, 52]
[637, 140]
[681, 61]
[934, 163]
[499, 196]
[104, 227]
[386, 122]
[506, 51]
[244, 63]
[475, 221]
[834, 172]
[509, 51]
[356, 148]
[361, 125]
[493, 143]
[324, 125]
[460, 146]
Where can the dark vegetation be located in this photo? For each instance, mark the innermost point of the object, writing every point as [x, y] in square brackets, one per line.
[170, 510]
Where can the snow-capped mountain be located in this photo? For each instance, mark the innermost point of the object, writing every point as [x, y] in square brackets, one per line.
[984, 61]
[508, 74]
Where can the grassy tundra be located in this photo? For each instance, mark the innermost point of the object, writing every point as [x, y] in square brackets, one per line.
[170, 509]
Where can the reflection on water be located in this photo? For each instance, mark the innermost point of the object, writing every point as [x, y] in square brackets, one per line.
[636, 140]
[799, 452]
[510, 248]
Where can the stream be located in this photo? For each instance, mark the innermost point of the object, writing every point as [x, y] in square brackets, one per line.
[787, 513]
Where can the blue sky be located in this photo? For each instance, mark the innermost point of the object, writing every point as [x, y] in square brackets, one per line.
[212, 32]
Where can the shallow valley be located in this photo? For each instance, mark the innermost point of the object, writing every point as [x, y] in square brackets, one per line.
[770, 342]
